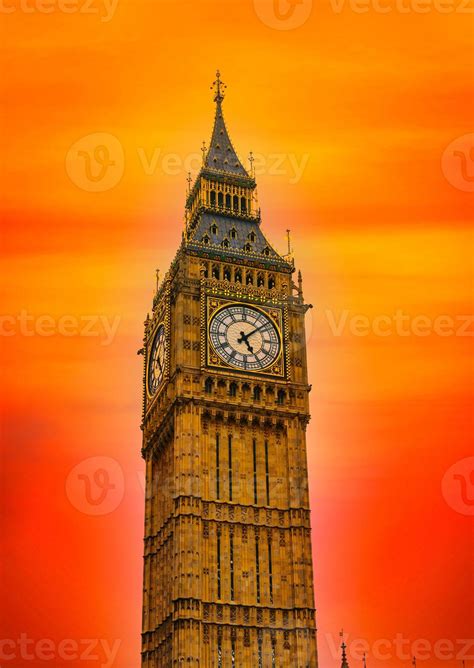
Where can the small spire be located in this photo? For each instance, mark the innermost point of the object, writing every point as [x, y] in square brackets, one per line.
[288, 237]
[189, 181]
[364, 661]
[413, 662]
[219, 87]
[300, 288]
[204, 152]
[344, 663]
[157, 280]
[251, 161]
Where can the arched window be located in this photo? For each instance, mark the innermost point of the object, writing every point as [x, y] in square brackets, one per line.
[281, 397]
[249, 278]
[233, 233]
[260, 280]
[215, 271]
[213, 198]
[257, 393]
[251, 236]
[208, 386]
[205, 239]
[214, 229]
[247, 247]
[227, 201]
[271, 281]
[266, 251]
[236, 203]
[220, 199]
[225, 243]
[233, 390]
[238, 276]
[227, 271]
[243, 204]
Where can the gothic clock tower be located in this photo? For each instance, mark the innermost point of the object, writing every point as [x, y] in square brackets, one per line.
[228, 577]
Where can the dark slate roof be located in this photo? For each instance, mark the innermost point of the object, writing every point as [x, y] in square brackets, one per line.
[221, 154]
[225, 224]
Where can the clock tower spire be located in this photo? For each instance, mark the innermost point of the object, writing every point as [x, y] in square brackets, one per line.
[228, 577]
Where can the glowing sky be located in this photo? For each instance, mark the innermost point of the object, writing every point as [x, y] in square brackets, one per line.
[349, 114]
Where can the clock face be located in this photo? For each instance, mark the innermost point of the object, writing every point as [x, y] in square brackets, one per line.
[156, 363]
[244, 337]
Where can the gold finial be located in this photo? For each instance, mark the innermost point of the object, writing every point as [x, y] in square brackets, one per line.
[341, 635]
[343, 648]
[203, 151]
[252, 168]
[288, 237]
[300, 285]
[219, 87]
[189, 180]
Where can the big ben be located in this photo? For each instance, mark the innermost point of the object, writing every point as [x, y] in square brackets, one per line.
[228, 577]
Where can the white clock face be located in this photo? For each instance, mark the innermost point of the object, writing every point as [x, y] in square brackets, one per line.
[244, 337]
[156, 363]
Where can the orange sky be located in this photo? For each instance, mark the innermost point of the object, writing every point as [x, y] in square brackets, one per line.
[352, 115]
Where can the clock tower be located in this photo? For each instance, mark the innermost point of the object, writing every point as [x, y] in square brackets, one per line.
[228, 578]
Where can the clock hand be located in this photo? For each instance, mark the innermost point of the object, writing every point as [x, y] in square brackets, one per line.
[159, 364]
[243, 339]
[265, 324]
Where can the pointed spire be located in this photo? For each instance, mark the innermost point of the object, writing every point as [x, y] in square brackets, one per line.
[221, 155]
[344, 663]
[252, 167]
[300, 291]
[204, 152]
